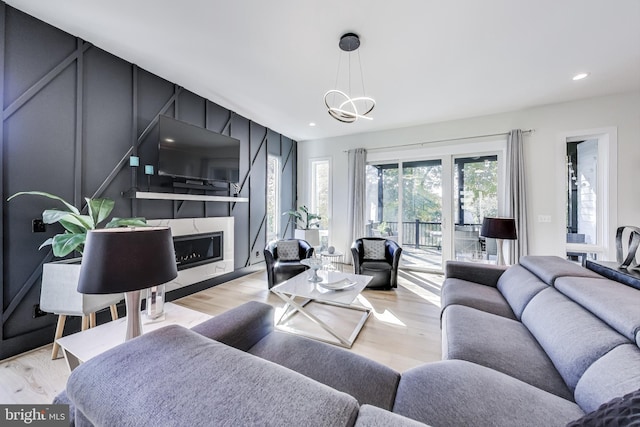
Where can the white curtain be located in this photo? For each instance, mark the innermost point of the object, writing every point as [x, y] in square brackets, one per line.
[356, 195]
[516, 205]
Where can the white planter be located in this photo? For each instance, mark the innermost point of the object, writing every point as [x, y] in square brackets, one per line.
[59, 293]
[312, 236]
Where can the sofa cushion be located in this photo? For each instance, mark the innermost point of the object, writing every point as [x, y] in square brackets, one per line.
[549, 268]
[288, 250]
[614, 303]
[501, 344]
[571, 336]
[518, 286]
[458, 393]
[375, 266]
[614, 374]
[368, 381]
[161, 378]
[470, 294]
[372, 416]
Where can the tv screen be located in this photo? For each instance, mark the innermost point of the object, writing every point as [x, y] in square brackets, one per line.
[194, 153]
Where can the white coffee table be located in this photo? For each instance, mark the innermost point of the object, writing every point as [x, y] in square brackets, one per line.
[298, 292]
[84, 345]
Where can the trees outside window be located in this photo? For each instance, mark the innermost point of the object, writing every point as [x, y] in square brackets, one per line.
[273, 197]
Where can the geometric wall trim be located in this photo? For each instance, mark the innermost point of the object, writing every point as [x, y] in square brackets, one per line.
[72, 115]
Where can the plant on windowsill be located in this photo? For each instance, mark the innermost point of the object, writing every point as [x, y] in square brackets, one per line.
[307, 225]
[58, 293]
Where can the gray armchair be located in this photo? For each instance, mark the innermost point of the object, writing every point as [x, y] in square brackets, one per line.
[383, 268]
[278, 269]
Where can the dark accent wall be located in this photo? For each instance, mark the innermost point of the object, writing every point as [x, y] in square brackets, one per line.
[72, 116]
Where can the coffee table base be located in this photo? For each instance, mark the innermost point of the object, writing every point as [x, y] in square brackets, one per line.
[293, 307]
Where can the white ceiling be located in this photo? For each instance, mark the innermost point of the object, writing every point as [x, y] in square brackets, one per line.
[423, 61]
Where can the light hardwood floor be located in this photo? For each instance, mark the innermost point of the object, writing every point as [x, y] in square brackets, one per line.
[402, 332]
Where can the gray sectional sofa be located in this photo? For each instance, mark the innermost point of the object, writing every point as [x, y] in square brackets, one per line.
[538, 344]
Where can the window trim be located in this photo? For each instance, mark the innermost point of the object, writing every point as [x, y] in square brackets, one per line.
[607, 203]
[277, 204]
[311, 186]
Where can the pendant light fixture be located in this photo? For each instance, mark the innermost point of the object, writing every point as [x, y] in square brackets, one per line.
[341, 105]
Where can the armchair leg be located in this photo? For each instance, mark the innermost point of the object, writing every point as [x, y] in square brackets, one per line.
[114, 312]
[85, 323]
[59, 329]
[92, 320]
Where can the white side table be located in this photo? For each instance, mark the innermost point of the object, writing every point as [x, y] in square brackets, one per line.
[84, 345]
[336, 260]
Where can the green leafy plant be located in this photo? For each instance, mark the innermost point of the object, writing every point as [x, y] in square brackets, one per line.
[77, 225]
[304, 217]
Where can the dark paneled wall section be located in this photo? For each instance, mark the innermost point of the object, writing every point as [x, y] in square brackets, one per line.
[72, 116]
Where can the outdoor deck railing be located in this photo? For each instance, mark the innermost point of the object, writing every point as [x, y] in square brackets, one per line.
[419, 234]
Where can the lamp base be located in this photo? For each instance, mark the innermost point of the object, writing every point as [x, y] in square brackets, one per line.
[134, 323]
[500, 252]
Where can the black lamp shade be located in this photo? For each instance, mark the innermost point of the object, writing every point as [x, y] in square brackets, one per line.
[499, 228]
[127, 259]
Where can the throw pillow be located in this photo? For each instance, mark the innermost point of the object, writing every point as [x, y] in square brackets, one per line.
[288, 250]
[373, 249]
[621, 411]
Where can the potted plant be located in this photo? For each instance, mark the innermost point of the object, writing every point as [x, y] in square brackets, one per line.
[77, 225]
[307, 225]
[59, 293]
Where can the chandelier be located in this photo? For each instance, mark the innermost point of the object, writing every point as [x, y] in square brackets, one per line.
[343, 106]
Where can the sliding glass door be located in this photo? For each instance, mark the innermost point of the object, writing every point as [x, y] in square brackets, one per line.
[475, 197]
[413, 201]
[422, 214]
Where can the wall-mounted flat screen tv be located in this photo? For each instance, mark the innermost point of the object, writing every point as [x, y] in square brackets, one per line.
[193, 153]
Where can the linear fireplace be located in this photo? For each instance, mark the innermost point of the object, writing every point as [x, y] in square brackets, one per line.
[198, 249]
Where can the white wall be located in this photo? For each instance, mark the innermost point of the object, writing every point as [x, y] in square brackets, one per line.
[545, 178]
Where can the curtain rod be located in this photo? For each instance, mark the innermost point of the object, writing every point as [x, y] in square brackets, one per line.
[442, 140]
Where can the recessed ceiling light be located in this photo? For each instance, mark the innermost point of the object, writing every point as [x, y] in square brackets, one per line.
[580, 76]
[312, 124]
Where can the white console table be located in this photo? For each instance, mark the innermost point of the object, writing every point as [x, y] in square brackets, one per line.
[84, 345]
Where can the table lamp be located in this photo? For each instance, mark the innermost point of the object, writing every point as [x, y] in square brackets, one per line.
[499, 229]
[127, 260]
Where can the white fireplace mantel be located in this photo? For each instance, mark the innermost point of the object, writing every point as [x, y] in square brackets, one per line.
[194, 226]
[175, 196]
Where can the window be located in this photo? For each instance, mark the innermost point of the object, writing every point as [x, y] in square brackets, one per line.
[273, 197]
[320, 196]
[589, 199]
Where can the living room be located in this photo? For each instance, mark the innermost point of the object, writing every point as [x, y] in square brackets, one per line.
[75, 137]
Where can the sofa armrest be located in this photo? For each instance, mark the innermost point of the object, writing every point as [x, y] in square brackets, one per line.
[485, 274]
[241, 327]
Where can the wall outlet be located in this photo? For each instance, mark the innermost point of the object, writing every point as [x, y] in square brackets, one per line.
[38, 226]
[37, 312]
[544, 218]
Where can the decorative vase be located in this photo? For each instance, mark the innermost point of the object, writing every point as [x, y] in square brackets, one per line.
[155, 302]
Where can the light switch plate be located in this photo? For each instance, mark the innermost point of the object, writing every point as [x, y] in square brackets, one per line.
[544, 218]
